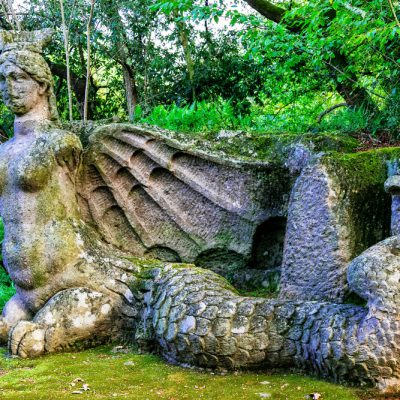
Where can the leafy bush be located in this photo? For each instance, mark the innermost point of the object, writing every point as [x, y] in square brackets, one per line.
[223, 115]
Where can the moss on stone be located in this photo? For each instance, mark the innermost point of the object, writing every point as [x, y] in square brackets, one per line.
[147, 266]
[241, 146]
[365, 207]
[364, 168]
[145, 263]
[266, 147]
[272, 147]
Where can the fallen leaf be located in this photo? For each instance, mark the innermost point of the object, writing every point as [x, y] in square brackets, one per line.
[285, 385]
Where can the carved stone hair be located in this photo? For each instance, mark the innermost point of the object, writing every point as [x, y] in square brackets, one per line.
[24, 50]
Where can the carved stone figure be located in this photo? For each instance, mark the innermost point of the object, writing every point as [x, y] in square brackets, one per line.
[74, 219]
[66, 292]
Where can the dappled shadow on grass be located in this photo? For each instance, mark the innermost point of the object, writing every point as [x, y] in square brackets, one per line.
[118, 375]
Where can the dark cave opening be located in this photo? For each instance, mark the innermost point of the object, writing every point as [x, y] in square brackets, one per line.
[268, 242]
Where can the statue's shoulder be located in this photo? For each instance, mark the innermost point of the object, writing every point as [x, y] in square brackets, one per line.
[62, 139]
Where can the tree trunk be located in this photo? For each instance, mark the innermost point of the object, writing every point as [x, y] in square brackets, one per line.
[15, 20]
[184, 39]
[86, 103]
[267, 9]
[78, 85]
[122, 56]
[131, 92]
[354, 95]
[66, 47]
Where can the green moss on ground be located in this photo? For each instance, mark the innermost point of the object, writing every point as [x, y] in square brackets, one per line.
[136, 376]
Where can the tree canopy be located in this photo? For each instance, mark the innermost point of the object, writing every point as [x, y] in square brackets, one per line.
[214, 64]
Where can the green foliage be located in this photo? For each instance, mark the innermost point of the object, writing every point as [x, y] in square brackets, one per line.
[249, 72]
[6, 287]
[6, 123]
[222, 114]
[120, 375]
[322, 53]
[198, 117]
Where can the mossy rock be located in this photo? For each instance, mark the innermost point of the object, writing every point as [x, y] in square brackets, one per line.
[262, 147]
[363, 202]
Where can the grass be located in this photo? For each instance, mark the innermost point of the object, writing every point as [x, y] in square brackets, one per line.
[112, 375]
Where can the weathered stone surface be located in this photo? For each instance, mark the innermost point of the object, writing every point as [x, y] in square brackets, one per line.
[337, 209]
[392, 186]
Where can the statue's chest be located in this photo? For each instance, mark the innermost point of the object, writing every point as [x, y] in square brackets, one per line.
[26, 166]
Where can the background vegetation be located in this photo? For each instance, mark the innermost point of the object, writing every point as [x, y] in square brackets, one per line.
[207, 65]
[6, 286]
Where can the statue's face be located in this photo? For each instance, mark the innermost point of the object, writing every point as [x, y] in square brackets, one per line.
[20, 92]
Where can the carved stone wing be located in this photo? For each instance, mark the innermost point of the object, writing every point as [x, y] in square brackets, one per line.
[151, 196]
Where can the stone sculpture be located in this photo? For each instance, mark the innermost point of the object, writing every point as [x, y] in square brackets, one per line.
[74, 220]
[54, 260]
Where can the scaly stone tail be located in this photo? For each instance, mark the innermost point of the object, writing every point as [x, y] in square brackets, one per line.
[197, 318]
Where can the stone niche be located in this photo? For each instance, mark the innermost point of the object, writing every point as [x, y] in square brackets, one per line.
[268, 242]
[293, 221]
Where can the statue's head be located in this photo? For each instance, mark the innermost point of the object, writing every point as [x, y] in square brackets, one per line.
[25, 78]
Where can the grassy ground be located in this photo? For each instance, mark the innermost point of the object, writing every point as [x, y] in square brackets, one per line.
[118, 375]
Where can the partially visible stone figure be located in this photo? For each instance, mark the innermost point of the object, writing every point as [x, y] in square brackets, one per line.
[75, 290]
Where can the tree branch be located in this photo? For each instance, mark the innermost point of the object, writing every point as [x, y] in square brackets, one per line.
[273, 13]
[394, 13]
[86, 103]
[330, 109]
[352, 92]
[267, 9]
